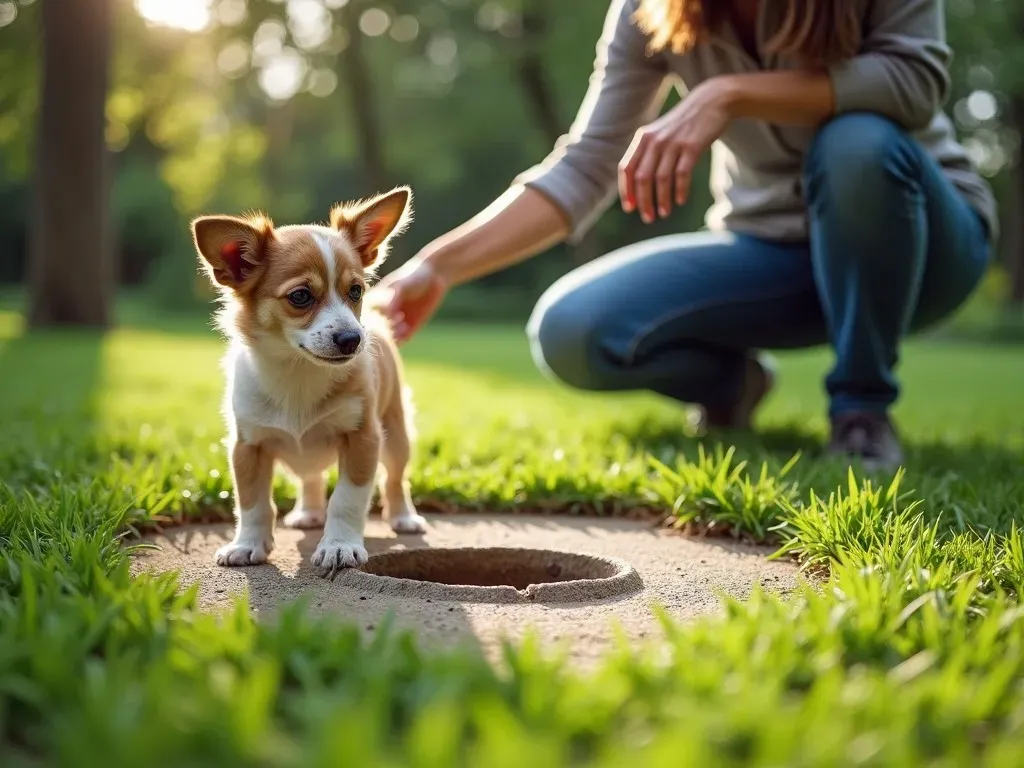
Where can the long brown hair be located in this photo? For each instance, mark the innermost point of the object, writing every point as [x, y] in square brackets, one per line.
[814, 32]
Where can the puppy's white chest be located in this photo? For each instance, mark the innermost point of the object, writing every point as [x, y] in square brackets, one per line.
[311, 449]
[264, 422]
[346, 414]
[285, 404]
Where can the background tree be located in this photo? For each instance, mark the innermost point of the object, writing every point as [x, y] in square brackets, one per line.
[71, 276]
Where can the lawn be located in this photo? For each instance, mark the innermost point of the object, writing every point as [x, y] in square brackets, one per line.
[908, 649]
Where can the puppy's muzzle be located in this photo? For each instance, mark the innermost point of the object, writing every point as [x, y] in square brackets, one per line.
[347, 342]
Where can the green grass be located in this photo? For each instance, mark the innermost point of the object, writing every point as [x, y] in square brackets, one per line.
[908, 651]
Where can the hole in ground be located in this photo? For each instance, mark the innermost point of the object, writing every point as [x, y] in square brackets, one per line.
[495, 575]
[518, 568]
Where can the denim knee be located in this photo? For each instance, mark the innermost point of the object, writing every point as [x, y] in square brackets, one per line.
[561, 336]
[853, 158]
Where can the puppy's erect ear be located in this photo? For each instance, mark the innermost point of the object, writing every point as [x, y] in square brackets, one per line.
[233, 248]
[370, 224]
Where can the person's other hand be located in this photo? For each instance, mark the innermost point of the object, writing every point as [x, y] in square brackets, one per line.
[409, 296]
[656, 169]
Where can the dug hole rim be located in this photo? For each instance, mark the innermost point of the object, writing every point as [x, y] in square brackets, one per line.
[494, 575]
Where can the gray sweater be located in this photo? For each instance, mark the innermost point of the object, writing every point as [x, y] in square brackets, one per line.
[900, 73]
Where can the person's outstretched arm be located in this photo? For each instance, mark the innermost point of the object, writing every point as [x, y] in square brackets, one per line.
[557, 200]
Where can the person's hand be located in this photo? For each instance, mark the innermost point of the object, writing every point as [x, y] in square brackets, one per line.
[656, 169]
[409, 296]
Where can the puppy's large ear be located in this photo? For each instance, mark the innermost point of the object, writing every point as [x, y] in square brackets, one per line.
[233, 249]
[370, 224]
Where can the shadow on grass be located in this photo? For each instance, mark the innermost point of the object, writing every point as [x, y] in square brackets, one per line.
[966, 484]
[657, 436]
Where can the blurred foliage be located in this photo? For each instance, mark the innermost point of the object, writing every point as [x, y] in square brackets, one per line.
[291, 105]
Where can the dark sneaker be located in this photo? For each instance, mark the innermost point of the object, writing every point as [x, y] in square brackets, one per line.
[866, 436]
[758, 380]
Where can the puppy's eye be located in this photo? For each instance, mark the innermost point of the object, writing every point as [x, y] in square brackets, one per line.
[300, 298]
[355, 292]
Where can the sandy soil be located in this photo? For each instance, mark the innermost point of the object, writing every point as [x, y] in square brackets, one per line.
[683, 575]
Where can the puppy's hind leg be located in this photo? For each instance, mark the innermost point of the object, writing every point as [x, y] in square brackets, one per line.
[397, 507]
[311, 508]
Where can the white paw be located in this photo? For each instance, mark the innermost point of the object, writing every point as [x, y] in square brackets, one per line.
[247, 551]
[338, 553]
[410, 522]
[305, 518]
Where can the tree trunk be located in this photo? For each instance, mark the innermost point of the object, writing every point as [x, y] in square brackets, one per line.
[540, 99]
[355, 73]
[1015, 220]
[71, 274]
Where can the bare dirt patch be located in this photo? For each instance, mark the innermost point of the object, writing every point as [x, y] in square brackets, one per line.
[477, 579]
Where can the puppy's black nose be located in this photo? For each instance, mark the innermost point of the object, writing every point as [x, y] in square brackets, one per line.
[348, 342]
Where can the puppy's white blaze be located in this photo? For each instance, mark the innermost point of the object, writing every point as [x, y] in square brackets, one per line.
[335, 315]
[323, 242]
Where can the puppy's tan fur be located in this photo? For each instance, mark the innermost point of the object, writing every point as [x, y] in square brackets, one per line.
[313, 384]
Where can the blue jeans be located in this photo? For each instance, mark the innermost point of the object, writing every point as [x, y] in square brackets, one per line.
[893, 248]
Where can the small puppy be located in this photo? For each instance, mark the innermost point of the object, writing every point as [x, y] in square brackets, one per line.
[308, 384]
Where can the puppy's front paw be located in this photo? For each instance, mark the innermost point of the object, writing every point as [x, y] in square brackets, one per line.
[245, 551]
[304, 519]
[408, 522]
[334, 554]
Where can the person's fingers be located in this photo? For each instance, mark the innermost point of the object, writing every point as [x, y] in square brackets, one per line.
[682, 184]
[627, 170]
[664, 176]
[395, 300]
[399, 293]
[683, 176]
[644, 180]
[391, 307]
